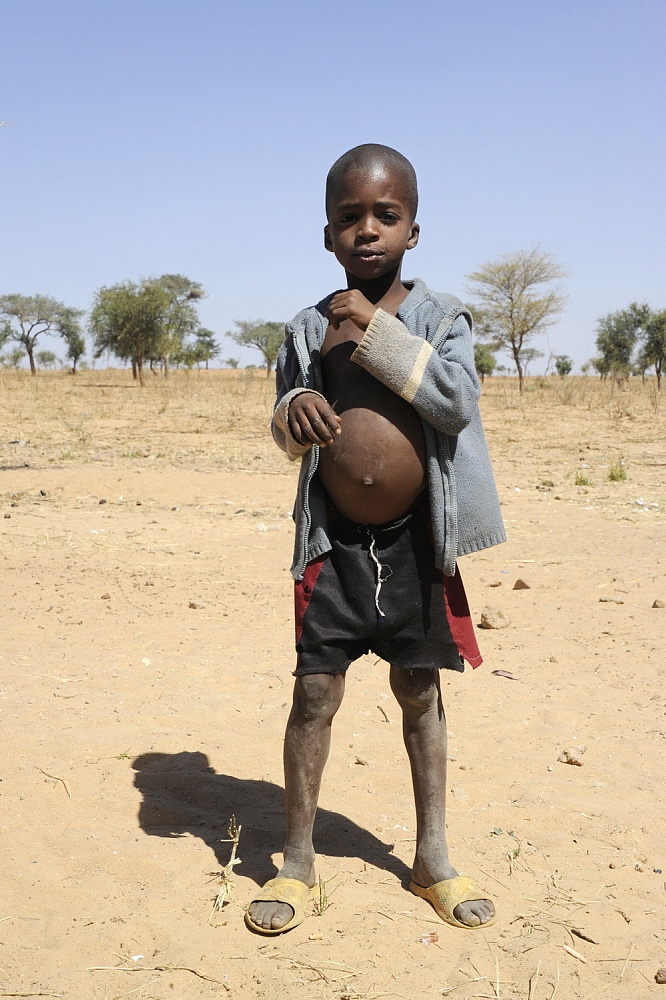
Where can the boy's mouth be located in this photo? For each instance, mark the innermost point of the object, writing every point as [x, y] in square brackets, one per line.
[368, 254]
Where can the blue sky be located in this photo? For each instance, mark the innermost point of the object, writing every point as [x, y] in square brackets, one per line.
[153, 136]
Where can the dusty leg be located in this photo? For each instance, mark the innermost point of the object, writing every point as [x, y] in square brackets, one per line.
[424, 732]
[317, 697]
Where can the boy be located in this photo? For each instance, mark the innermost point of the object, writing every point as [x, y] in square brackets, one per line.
[378, 394]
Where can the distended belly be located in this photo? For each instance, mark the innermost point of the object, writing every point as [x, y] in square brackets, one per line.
[375, 469]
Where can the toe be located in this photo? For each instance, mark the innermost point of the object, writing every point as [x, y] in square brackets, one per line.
[282, 916]
[474, 912]
[270, 916]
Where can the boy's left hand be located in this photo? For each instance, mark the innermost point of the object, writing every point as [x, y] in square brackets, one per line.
[352, 305]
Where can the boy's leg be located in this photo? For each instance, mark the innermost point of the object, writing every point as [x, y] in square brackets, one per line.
[424, 731]
[307, 741]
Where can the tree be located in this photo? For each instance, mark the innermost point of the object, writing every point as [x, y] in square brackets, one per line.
[13, 358]
[46, 359]
[563, 365]
[146, 321]
[76, 347]
[179, 319]
[484, 360]
[266, 337]
[5, 332]
[206, 346]
[617, 335]
[515, 301]
[30, 316]
[527, 356]
[653, 351]
[125, 321]
[232, 362]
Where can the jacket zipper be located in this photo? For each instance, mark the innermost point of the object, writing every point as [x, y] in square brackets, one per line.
[314, 462]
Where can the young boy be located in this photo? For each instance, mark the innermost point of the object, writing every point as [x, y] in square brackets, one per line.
[377, 393]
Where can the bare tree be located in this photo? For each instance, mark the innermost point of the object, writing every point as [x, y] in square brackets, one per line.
[515, 302]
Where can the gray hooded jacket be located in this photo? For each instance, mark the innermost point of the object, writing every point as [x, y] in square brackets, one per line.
[424, 354]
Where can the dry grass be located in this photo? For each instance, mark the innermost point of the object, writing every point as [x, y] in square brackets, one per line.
[203, 420]
[559, 433]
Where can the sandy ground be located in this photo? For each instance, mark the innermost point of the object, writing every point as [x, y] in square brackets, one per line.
[147, 645]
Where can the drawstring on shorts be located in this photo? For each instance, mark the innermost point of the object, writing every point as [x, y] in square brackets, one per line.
[383, 570]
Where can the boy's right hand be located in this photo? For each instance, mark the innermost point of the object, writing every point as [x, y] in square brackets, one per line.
[312, 420]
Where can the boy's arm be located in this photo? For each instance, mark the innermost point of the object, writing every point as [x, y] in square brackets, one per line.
[441, 385]
[316, 420]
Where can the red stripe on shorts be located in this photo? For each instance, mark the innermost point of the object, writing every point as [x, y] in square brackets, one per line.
[460, 620]
[303, 592]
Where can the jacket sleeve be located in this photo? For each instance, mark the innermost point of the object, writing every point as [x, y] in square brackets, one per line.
[287, 377]
[441, 384]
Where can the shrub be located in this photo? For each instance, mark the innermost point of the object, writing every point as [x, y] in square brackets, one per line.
[617, 472]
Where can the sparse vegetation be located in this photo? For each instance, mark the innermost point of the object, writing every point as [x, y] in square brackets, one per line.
[582, 480]
[617, 472]
[323, 897]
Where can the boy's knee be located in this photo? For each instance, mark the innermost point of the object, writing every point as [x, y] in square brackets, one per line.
[415, 690]
[317, 697]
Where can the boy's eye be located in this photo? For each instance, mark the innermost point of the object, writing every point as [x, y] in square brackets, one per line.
[350, 217]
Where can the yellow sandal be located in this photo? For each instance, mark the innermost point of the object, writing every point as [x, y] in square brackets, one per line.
[445, 896]
[282, 890]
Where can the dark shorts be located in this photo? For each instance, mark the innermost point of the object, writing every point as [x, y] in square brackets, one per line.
[379, 590]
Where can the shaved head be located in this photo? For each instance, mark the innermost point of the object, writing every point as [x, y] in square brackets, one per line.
[372, 158]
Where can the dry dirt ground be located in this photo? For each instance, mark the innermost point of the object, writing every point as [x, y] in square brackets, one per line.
[146, 651]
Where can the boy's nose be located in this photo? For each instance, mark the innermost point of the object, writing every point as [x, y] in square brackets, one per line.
[367, 230]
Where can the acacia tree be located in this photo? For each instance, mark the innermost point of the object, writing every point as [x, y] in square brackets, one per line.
[205, 345]
[5, 332]
[617, 335]
[125, 320]
[264, 336]
[653, 350]
[30, 316]
[527, 356]
[484, 360]
[76, 347]
[515, 300]
[179, 319]
[563, 364]
[146, 321]
[46, 359]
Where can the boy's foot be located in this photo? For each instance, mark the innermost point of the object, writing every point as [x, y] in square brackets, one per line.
[471, 913]
[274, 915]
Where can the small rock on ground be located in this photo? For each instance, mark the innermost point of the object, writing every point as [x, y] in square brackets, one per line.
[494, 618]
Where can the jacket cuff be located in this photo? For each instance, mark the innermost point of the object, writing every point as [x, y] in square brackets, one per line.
[393, 355]
[368, 343]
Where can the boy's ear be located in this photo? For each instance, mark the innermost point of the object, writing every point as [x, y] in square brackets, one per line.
[328, 242]
[413, 236]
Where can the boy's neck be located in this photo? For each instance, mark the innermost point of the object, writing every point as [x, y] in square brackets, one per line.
[387, 291]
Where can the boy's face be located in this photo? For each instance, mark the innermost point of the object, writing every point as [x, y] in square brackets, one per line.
[370, 221]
